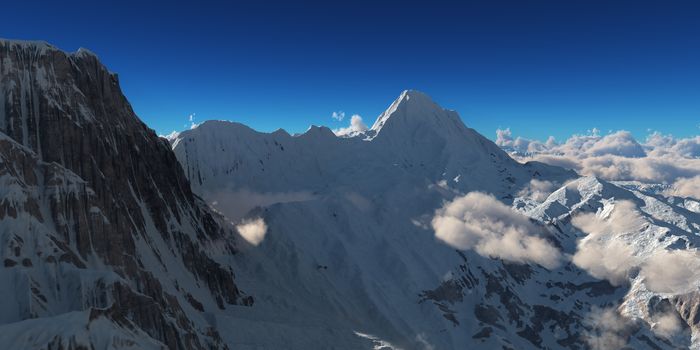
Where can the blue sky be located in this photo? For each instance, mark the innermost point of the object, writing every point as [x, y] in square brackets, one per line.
[539, 67]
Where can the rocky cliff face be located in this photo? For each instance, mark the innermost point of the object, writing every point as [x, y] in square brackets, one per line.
[97, 215]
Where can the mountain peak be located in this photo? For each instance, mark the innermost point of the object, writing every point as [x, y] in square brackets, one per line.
[412, 101]
[414, 109]
[415, 95]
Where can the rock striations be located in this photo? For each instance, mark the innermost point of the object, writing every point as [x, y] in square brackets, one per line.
[98, 219]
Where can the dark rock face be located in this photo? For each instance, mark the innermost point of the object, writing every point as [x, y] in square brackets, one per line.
[92, 188]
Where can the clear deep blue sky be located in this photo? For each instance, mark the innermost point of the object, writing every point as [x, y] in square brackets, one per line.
[539, 67]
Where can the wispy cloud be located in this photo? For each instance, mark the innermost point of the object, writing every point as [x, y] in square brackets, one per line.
[235, 204]
[686, 187]
[607, 329]
[191, 119]
[537, 190]
[667, 324]
[339, 115]
[672, 271]
[602, 253]
[606, 255]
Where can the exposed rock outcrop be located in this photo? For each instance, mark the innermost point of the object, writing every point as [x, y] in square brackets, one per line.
[95, 204]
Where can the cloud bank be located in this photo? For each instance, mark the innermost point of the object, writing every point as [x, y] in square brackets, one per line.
[617, 156]
[480, 222]
[686, 187]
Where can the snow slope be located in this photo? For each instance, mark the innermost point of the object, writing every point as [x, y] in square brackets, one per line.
[349, 250]
[105, 244]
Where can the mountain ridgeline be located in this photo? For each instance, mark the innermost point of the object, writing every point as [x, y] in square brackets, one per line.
[225, 237]
[99, 223]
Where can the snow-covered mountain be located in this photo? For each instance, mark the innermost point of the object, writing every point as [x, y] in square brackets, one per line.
[103, 243]
[415, 143]
[350, 253]
[417, 233]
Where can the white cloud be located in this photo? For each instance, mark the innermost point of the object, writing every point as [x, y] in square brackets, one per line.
[620, 143]
[686, 187]
[668, 145]
[504, 137]
[339, 116]
[253, 231]
[480, 222]
[615, 219]
[606, 255]
[602, 253]
[647, 169]
[667, 324]
[615, 156]
[191, 119]
[537, 190]
[656, 142]
[356, 126]
[672, 271]
[605, 260]
[688, 147]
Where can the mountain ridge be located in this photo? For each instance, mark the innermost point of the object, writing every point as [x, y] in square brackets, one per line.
[112, 237]
[359, 208]
[438, 145]
[122, 239]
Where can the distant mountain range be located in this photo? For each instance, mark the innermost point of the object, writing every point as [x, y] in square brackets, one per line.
[417, 233]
